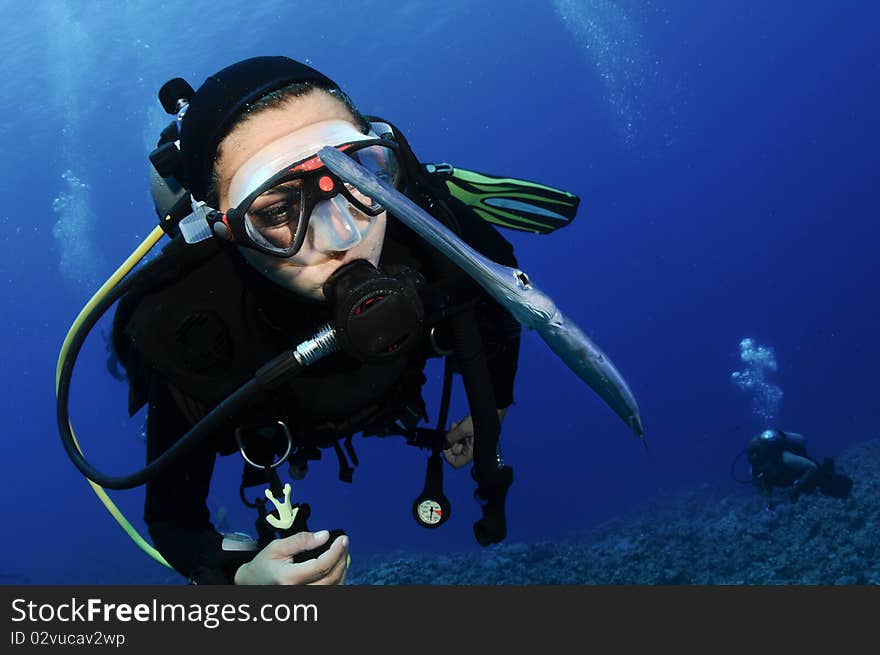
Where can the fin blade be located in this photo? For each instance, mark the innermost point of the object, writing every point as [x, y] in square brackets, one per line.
[509, 202]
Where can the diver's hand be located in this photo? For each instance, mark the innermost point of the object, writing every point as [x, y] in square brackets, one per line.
[461, 440]
[274, 564]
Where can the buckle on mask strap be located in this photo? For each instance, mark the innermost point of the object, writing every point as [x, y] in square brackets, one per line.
[195, 227]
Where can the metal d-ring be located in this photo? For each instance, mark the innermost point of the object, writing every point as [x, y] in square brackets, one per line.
[436, 346]
[275, 464]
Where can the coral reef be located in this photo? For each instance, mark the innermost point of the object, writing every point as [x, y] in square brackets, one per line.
[706, 536]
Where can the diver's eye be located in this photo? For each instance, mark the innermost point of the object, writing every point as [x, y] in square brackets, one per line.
[274, 215]
[358, 195]
[275, 208]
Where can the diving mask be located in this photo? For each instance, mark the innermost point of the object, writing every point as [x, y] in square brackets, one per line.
[300, 210]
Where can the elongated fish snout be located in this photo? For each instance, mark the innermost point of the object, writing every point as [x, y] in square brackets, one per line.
[510, 287]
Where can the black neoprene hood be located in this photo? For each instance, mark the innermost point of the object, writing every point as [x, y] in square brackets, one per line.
[223, 97]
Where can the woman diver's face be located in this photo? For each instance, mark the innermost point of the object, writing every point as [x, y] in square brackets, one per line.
[257, 134]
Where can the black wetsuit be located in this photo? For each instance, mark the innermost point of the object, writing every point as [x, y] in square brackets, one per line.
[332, 391]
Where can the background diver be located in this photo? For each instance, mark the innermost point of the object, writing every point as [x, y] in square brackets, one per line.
[780, 459]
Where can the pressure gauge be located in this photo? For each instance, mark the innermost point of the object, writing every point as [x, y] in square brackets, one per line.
[431, 512]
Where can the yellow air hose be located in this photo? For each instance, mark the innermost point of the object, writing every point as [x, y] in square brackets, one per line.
[152, 239]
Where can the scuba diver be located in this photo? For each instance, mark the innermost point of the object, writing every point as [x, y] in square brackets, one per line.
[780, 459]
[297, 304]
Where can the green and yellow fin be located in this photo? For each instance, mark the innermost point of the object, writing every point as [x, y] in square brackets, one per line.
[509, 202]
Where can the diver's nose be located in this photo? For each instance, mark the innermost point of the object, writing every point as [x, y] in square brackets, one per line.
[334, 227]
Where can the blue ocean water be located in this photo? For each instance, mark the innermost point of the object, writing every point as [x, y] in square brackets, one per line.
[727, 159]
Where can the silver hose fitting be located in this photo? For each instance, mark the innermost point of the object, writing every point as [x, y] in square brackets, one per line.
[319, 346]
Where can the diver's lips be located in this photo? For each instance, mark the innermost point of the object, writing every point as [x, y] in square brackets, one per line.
[347, 258]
